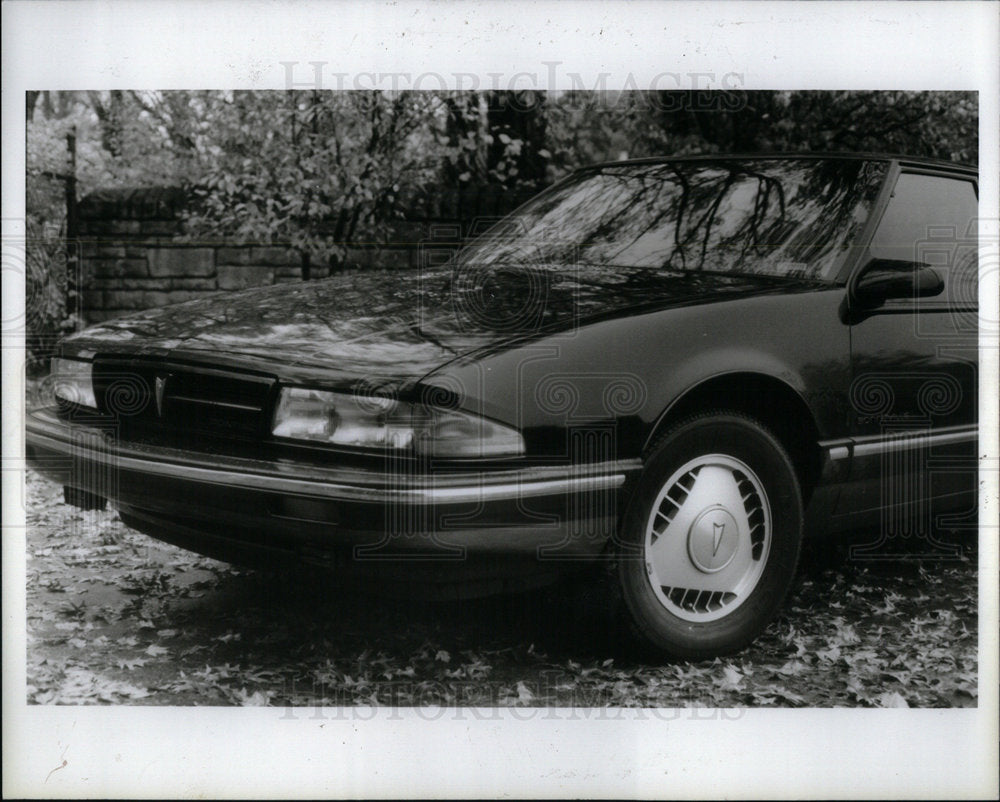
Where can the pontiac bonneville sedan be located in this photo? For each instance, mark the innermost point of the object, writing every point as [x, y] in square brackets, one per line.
[673, 370]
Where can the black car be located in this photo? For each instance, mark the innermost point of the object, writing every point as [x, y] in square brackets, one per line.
[673, 368]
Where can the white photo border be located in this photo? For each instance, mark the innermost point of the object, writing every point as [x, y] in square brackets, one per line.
[166, 752]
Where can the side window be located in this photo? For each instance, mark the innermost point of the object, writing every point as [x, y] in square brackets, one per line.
[932, 219]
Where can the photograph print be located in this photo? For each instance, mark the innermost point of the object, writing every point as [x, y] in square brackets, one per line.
[502, 398]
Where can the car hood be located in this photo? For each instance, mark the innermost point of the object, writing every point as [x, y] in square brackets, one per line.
[400, 325]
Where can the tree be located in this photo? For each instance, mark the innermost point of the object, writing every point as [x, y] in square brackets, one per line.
[935, 124]
[315, 170]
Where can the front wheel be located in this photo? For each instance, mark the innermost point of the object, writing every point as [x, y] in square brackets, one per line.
[710, 541]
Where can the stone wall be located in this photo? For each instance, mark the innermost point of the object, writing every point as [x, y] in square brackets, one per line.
[134, 255]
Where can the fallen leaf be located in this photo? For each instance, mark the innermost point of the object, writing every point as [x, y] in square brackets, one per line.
[731, 677]
[255, 699]
[829, 655]
[891, 699]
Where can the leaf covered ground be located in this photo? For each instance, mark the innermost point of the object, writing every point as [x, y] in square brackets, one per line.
[114, 617]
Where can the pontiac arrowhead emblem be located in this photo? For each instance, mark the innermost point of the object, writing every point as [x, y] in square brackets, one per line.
[161, 384]
[717, 532]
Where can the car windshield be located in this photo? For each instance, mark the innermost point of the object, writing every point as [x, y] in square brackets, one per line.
[793, 218]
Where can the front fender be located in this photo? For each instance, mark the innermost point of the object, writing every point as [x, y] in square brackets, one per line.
[619, 377]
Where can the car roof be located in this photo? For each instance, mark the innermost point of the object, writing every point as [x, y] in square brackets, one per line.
[715, 157]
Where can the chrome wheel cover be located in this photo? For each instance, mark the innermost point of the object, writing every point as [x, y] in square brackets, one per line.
[707, 538]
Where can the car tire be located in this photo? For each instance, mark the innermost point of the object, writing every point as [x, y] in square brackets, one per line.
[710, 540]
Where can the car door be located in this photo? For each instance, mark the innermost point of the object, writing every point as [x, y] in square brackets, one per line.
[913, 397]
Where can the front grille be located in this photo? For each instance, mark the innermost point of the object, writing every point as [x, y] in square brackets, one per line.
[181, 406]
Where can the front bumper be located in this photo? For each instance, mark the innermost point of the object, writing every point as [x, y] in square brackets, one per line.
[252, 511]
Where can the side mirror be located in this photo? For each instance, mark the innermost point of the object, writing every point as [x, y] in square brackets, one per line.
[883, 279]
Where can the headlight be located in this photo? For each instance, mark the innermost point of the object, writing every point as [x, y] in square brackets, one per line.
[72, 382]
[347, 420]
[384, 424]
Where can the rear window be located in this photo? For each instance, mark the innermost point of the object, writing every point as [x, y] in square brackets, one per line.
[795, 218]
